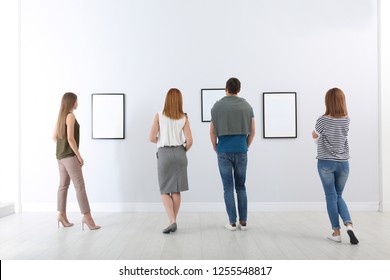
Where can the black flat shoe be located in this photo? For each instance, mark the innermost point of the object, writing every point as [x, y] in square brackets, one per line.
[352, 236]
[171, 228]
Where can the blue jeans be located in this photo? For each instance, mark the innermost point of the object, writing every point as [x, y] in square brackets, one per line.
[232, 167]
[334, 175]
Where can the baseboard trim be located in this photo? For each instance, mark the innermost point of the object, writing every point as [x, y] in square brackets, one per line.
[6, 209]
[384, 207]
[200, 207]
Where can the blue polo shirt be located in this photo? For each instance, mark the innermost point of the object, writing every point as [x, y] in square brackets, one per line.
[232, 144]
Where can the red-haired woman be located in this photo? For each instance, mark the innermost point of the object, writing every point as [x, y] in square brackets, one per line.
[168, 129]
[331, 135]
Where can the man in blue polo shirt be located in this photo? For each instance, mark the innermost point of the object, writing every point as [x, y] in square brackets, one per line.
[232, 130]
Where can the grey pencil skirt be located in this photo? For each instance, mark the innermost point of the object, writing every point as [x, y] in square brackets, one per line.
[172, 169]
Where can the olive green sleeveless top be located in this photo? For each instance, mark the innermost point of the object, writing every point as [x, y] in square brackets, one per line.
[63, 148]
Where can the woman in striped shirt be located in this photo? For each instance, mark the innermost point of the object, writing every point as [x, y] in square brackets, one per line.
[331, 136]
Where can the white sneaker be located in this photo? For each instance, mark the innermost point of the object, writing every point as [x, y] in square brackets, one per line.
[230, 227]
[335, 238]
[242, 227]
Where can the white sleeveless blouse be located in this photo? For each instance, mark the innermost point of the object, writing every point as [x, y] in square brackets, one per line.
[170, 131]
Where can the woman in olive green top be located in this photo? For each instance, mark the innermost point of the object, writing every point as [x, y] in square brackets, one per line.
[67, 137]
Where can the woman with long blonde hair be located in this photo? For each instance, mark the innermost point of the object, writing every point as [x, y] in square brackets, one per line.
[167, 132]
[67, 138]
[331, 136]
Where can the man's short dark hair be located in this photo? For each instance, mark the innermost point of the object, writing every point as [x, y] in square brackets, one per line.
[233, 85]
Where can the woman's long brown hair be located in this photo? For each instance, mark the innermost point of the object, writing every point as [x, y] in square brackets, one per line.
[67, 104]
[335, 103]
[173, 107]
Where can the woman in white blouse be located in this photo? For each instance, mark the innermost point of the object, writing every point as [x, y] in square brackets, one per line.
[172, 133]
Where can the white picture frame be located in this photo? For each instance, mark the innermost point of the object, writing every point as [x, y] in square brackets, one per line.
[279, 115]
[208, 98]
[108, 115]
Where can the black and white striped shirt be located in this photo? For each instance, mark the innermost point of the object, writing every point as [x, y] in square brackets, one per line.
[332, 143]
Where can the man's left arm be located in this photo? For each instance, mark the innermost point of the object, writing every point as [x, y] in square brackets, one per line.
[251, 136]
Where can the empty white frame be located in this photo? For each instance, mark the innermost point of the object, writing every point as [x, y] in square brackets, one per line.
[279, 115]
[108, 116]
[208, 98]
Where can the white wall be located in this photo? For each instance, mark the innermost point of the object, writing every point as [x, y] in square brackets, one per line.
[385, 104]
[142, 48]
[9, 93]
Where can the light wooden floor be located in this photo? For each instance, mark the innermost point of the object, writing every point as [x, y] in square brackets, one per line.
[201, 236]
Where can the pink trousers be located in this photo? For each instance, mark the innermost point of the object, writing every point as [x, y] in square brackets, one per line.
[70, 169]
